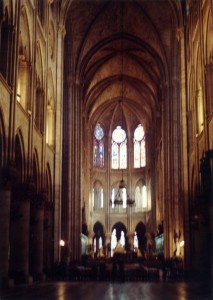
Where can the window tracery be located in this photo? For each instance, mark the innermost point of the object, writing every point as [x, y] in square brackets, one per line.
[119, 148]
[98, 147]
[139, 147]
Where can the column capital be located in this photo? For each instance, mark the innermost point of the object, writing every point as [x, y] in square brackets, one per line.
[62, 30]
[180, 33]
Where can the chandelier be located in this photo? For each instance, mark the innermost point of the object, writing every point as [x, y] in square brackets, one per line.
[122, 195]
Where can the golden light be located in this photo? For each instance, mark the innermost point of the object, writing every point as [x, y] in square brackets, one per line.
[181, 243]
[62, 243]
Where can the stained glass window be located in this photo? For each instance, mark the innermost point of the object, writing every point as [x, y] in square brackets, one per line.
[139, 147]
[98, 147]
[119, 148]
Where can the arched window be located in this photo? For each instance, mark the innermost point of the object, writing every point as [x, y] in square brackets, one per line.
[139, 147]
[24, 63]
[40, 96]
[98, 147]
[114, 195]
[140, 197]
[23, 75]
[119, 148]
[98, 196]
[135, 242]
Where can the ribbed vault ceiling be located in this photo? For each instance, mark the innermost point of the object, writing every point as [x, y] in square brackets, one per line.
[115, 44]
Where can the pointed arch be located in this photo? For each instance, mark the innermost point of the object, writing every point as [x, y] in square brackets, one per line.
[140, 230]
[98, 146]
[25, 33]
[98, 195]
[23, 80]
[98, 238]
[140, 196]
[48, 183]
[119, 148]
[20, 156]
[39, 100]
[119, 227]
[139, 147]
[36, 170]
[39, 67]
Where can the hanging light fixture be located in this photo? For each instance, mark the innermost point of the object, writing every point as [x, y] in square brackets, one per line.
[122, 196]
[119, 133]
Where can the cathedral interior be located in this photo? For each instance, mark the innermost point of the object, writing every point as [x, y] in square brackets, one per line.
[106, 137]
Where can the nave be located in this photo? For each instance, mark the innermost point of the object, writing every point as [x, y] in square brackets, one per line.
[65, 290]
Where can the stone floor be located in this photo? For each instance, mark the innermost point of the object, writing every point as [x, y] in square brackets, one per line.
[65, 290]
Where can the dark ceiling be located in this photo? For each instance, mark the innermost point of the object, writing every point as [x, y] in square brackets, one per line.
[122, 50]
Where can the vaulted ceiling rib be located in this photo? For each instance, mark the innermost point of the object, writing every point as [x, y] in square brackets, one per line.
[143, 43]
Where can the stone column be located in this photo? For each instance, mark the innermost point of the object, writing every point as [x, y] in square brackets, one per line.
[75, 171]
[131, 240]
[36, 237]
[19, 233]
[5, 201]
[48, 237]
[108, 243]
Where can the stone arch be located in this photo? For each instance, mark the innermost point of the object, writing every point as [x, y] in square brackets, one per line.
[119, 226]
[20, 156]
[48, 183]
[24, 69]
[98, 237]
[140, 229]
[39, 100]
[139, 201]
[98, 228]
[25, 34]
[36, 170]
[98, 193]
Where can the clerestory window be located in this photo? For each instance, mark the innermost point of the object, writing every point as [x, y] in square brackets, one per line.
[98, 147]
[119, 148]
[139, 147]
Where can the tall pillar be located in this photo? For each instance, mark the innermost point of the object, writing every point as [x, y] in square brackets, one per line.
[48, 237]
[19, 233]
[131, 240]
[5, 201]
[36, 237]
[75, 171]
[108, 243]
